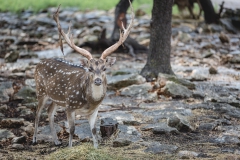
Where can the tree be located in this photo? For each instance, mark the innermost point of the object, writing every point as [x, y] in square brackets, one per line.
[160, 41]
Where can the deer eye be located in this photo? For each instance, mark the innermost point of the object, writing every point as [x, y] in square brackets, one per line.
[90, 69]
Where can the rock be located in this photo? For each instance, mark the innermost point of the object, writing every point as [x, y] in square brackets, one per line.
[119, 142]
[5, 134]
[180, 122]
[163, 128]
[120, 116]
[12, 122]
[207, 126]
[226, 139]
[157, 148]
[166, 77]
[140, 92]
[53, 53]
[19, 140]
[6, 91]
[184, 37]
[235, 59]
[187, 154]
[224, 38]
[29, 129]
[11, 56]
[30, 82]
[176, 90]
[120, 81]
[199, 75]
[26, 112]
[213, 70]
[17, 146]
[27, 93]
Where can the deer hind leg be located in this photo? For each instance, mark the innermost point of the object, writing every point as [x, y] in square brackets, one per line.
[41, 103]
[51, 111]
[71, 124]
[92, 121]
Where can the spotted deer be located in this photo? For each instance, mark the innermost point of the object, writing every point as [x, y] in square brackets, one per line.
[76, 87]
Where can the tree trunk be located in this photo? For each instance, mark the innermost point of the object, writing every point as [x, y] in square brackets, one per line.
[160, 41]
[210, 15]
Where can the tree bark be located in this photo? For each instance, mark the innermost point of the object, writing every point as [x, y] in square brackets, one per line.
[160, 41]
[210, 15]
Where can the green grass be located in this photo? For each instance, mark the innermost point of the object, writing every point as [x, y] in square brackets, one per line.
[19, 5]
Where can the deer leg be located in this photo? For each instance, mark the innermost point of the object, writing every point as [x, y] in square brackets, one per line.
[51, 111]
[71, 125]
[190, 9]
[92, 122]
[41, 103]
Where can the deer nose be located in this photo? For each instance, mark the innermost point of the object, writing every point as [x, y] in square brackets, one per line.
[98, 81]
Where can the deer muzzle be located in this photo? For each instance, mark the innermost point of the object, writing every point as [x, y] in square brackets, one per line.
[98, 81]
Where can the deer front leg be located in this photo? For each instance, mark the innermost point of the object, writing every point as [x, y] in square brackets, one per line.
[92, 122]
[41, 103]
[51, 111]
[71, 124]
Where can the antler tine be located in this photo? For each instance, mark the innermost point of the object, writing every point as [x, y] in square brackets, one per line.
[68, 39]
[122, 38]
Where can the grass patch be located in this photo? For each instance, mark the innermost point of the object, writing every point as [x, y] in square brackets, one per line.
[19, 5]
[85, 151]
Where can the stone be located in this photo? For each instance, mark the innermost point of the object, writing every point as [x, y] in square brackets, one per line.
[187, 154]
[19, 140]
[180, 122]
[163, 128]
[140, 92]
[213, 70]
[176, 90]
[224, 38]
[12, 122]
[199, 75]
[226, 139]
[181, 81]
[27, 93]
[29, 129]
[11, 56]
[120, 116]
[157, 148]
[6, 91]
[120, 81]
[207, 126]
[17, 146]
[119, 142]
[5, 134]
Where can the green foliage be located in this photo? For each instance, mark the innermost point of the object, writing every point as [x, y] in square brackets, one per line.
[19, 5]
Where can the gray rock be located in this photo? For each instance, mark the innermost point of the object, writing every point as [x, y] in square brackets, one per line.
[53, 53]
[129, 133]
[176, 90]
[47, 131]
[157, 148]
[5, 91]
[120, 116]
[180, 122]
[26, 112]
[199, 75]
[140, 92]
[235, 59]
[83, 132]
[187, 154]
[12, 56]
[19, 140]
[226, 139]
[30, 82]
[27, 93]
[119, 142]
[17, 146]
[5, 134]
[167, 77]
[207, 126]
[120, 81]
[163, 128]
[12, 122]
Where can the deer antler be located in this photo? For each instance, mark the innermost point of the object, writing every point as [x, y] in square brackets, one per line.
[68, 39]
[122, 38]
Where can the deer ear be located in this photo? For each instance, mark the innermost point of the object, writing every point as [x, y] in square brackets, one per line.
[110, 61]
[84, 62]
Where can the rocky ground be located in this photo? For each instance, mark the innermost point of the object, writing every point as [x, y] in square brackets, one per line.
[194, 114]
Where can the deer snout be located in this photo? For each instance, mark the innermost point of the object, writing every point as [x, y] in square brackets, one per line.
[98, 81]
